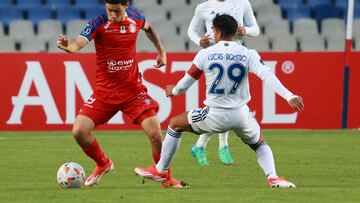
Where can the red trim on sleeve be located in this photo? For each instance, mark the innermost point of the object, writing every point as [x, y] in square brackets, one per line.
[195, 72]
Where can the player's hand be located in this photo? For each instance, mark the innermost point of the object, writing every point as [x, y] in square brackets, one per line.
[160, 60]
[169, 89]
[241, 31]
[205, 41]
[62, 42]
[297, 103]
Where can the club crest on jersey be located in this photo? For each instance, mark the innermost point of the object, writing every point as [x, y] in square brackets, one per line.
[132, 28]
[123, 29]
[87, 30]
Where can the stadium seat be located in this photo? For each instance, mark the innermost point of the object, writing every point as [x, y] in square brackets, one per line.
[184, 26]
[52, 47]
[336, 43]
[165, 27]
[274, 28]
[74, 28]
[341, 3]
[54, 4]
[6, 4]
[260, 43]
[141, 4]
[313, 3]
[166, 4]
[182, 13]
[267, 13]
[26, 4]
[356, 28]
[39, 13]
[80, 3]
[66, 14]
[299, 12]
[92, 12]
[32, 44]
[326, 11]
[7, 44]
[357, 43]
[284, 43]
[286, 4]
[2, 32]
[143, 44]
[174, 43]
[333, 27]
[192, 47]
[20, 29]
[49, 29]
[305, 26]
[255, 4]
[155, 13]
[7, 15]
[311, 43]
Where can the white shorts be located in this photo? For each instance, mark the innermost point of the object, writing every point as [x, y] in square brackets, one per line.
[216, 120]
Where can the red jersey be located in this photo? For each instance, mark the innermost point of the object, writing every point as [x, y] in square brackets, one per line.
[117, 69]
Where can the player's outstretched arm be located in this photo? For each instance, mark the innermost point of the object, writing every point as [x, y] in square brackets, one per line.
[73, 46]
[251, 27]
[155, 39]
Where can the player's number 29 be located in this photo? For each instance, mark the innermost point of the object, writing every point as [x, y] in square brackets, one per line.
[230, 73]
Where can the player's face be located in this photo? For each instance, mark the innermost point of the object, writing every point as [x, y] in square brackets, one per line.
[116, 12]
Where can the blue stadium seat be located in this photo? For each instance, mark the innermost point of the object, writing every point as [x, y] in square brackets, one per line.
[6, 4]
[25, 4]
[293, 14]
[313, 3]
[39, 13]
[92, 12]
[7, 15]
[341, 4]
[286, 4]
[68, 13]
[326, 11]
[82, 3]
[58, 3]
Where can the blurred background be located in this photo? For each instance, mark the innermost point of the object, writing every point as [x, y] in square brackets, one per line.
[286, 25]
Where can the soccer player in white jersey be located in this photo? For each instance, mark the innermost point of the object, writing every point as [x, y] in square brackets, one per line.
[204, 14]
[226, 66]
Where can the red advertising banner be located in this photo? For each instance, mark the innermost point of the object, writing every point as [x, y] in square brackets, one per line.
[45, 91]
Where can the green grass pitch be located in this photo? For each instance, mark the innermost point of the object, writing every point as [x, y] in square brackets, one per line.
[325, 166]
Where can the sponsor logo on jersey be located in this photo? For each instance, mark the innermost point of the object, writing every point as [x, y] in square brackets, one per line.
[114, 66]
[212, 13]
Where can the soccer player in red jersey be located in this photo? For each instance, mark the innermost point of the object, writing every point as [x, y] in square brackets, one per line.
[118, 82]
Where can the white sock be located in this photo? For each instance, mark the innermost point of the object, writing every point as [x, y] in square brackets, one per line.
[266, 160]
[203, 139]
[223, 139]
[169, 148]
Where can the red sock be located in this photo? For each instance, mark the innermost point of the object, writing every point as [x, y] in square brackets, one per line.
[94, 151]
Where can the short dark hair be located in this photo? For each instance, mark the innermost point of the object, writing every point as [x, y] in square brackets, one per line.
[226, 24]
[123, 2]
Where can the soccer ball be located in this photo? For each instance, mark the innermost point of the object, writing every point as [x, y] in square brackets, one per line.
[71, 175]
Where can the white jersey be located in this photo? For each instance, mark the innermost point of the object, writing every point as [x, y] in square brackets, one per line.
[205, 13]
[226, 66]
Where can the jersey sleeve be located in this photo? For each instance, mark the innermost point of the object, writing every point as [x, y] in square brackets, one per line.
[91, 29]
[251, 26]
[196, 26]
[137, 15]
[257, 66]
